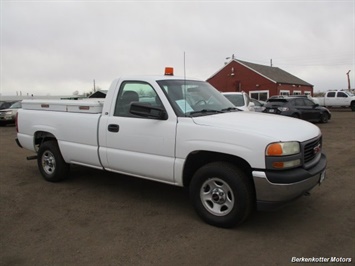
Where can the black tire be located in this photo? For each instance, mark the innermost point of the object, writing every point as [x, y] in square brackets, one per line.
[51, 163]
[352, 106]
[222, 194]
[324, 117]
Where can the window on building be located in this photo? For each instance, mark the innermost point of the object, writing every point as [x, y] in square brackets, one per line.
[259, 95]
[296, 93]
[285, 92]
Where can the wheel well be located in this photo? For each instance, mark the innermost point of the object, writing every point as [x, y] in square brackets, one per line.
[197, 159]
[41, 137]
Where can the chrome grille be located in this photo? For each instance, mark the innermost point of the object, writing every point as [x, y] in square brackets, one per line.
[312, 149]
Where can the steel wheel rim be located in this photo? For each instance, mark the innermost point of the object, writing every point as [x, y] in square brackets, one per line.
[217, 196]
[48, 162]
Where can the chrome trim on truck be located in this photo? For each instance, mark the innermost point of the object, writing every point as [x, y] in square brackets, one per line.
[271, 195]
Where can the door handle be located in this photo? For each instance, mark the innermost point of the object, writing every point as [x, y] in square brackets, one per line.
[113, 128]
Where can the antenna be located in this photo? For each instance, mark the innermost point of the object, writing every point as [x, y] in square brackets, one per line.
[185, 83]
[184, 67]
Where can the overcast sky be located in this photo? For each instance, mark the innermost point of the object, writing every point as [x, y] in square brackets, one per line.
[59, 47]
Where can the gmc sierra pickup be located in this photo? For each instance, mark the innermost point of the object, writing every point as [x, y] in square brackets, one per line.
[337, 99]
[181, 132]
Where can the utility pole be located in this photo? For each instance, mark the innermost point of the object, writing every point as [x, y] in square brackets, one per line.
[271, 62]
[94, 86]
[349, 88]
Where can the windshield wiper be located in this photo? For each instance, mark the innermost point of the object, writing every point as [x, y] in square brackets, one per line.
[230, 109]
[206, 111]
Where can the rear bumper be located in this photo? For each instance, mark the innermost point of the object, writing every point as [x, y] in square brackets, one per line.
[291, 184]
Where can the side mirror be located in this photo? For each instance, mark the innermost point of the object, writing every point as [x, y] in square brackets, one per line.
[147, 111]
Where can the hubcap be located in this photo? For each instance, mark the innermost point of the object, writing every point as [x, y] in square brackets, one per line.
[48, 162]
[217, 196]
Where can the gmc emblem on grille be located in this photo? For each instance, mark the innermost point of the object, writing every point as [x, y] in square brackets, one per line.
[316, 149]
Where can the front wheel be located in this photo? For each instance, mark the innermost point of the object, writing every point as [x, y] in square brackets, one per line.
[324, 117]
[222, 194]
[51, 163]
[352, 106]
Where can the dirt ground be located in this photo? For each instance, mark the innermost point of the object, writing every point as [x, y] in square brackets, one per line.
[99, 218]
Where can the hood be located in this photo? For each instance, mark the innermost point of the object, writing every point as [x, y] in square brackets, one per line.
[274, 127]
[7, 110]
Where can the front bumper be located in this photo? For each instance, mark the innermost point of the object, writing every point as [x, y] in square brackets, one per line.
[290, 185]
[6, 119]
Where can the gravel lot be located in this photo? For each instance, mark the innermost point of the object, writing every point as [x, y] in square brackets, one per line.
[99, 218]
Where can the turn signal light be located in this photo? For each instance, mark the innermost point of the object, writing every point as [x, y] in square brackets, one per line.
[287, 164]
[274, 149]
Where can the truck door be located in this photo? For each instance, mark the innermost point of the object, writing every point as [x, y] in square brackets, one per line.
[342, 99]
[138, 146]
[330, 99]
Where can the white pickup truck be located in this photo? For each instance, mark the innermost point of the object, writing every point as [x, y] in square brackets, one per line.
[181, 132]
[337, 99]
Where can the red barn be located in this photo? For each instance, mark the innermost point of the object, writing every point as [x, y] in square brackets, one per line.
[259, 81]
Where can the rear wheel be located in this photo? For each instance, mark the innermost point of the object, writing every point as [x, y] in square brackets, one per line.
[222, 194]
[352, 106]
[51, 163]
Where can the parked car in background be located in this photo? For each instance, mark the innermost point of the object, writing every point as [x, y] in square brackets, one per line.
[5, 104]
[240, 99]
[276, 97]
[258, 105]
[298, 107]
[7, 116]
[315, 100]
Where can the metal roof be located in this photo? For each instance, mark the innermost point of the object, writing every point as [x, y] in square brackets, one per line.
[274, 73]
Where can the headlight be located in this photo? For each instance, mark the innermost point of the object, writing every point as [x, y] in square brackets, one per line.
[283, 109]
[283, 148]
[9, 113]
[283, 155]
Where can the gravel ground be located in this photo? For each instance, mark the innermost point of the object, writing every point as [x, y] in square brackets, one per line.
[99, 218]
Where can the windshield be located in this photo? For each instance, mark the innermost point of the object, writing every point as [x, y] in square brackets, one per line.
[16, 105]
[194, 98]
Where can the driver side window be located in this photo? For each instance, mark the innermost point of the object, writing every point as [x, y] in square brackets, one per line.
[134, 91]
